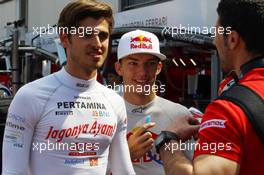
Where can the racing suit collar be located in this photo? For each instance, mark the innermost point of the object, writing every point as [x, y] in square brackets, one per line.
[138, 109]
[73, 82]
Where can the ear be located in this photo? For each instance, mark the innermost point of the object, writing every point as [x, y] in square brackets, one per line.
[233, 40]
[64, 39]
[159, 68]
[118, 68]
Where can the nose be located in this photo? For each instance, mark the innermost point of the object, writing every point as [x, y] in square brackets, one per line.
[96, 42]
[142, 70]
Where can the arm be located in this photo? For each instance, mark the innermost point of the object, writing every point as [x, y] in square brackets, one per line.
[216, 129]
[18, 135]
[119, 152]
[178, 163]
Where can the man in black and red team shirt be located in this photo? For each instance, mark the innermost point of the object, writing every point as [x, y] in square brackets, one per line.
[238, 149]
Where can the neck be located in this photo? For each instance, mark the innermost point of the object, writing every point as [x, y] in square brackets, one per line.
[139, 99]
[242, 58]
[80, 73]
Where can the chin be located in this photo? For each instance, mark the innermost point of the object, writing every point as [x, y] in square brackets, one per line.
[225, 69]
[99, 64]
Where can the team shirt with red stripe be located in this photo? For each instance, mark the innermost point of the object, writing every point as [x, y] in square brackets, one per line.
[228, 133]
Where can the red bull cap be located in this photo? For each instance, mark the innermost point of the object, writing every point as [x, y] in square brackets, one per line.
[139, 41]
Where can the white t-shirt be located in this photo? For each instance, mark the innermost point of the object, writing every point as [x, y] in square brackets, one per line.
[62, 125]
[162, 112]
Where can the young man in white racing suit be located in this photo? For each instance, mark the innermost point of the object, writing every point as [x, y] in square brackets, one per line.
[67, 123]
[139, 62]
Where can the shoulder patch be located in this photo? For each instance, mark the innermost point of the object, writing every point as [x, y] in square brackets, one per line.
[214, 123]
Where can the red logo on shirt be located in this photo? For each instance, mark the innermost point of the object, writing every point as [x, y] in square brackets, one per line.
[214, 123]
[95, 129]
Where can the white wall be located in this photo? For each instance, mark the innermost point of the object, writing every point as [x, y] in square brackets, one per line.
[114, 4]
[185, 12]
[209, 11]
[8, 13]
[44, 12]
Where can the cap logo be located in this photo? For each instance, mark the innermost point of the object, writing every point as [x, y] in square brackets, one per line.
[140, 42]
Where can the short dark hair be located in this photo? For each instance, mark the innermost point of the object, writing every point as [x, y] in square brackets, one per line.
[78, 10]
[247, 18]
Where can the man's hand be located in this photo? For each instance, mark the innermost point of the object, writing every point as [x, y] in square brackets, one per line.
[185, 127]
[140, 141]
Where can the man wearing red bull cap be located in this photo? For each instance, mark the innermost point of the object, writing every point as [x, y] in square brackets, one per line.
[139, 62]
[239, 147]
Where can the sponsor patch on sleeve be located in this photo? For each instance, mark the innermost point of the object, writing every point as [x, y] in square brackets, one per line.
[213, 123]
[15, 137]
